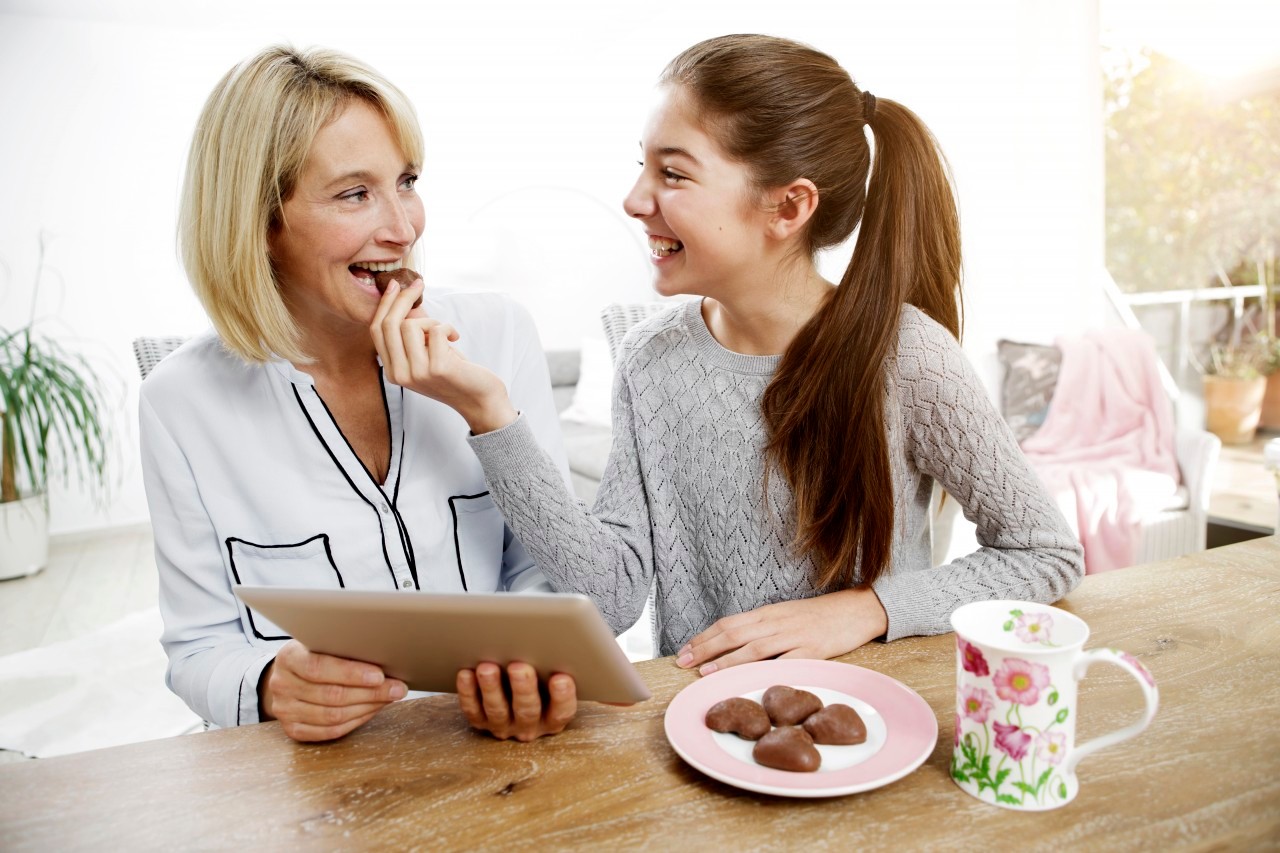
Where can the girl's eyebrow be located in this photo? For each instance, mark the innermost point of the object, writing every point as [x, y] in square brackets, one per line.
[672, 151]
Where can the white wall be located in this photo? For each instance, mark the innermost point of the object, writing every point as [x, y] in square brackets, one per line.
[531, 114]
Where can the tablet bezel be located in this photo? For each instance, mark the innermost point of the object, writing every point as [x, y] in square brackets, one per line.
[424, 638]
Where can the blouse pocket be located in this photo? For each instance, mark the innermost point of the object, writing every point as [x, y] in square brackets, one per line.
[478, 532]
[306, 564]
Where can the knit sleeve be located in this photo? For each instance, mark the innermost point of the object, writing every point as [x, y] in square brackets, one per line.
[605, 553]
[955, 435]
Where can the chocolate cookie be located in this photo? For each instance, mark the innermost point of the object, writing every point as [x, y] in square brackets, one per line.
[403, 277]
[788, 706]
[838, 725]
[787, 748]
[742, 717]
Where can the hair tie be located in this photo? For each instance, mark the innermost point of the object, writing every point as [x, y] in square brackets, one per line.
[868, 106]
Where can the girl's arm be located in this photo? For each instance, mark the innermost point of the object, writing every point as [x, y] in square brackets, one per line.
[956, 436]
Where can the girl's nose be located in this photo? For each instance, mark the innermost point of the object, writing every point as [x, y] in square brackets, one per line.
[639, 202]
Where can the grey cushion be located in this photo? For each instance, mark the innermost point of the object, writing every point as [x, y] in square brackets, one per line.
[1030, 375]
[587, 447]
[563, 365]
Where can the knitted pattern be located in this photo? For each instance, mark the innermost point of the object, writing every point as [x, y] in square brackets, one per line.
[681, 503]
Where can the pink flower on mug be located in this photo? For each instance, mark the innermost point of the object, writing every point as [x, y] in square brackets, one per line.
[957, 737]
[1012, 741]
[1021, 681]
[971, 657]
[1137, 664]
[975, 703]
[1033, 627]
[1052, 746]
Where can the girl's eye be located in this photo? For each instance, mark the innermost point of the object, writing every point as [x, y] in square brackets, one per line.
[672, 176]
[408, 182]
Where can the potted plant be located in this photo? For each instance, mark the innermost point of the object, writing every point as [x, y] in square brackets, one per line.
[51, 424]
[1234, 385]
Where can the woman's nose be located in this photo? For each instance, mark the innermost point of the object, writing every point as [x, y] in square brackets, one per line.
[397, 227]
[639, 202]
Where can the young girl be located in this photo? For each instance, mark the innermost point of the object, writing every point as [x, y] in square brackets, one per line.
[776, 441]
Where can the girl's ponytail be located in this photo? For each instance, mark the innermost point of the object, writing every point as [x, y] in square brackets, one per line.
[789, 111]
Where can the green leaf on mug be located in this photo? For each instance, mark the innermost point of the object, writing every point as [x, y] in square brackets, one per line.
[1025, 788]
[1015, 613]
[1053, 698]
[1062, 716]
[1062, 790]
[1008, 626]
[1005, 798]
[1044, 777]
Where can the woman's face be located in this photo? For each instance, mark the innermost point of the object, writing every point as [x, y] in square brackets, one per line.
[353, 211]
[705, 233]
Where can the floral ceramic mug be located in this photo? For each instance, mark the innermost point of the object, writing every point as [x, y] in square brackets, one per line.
[1017, 667]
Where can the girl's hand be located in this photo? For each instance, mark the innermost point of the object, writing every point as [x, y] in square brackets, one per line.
[822, 627]
[321, 697]
[416, 354]
[516, 712]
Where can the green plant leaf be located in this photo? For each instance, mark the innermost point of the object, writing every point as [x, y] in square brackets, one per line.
[1025, 788]
[1044, 777]
[1062, 790]
[1005, 798]
[1008, 626]
[1062, 716]
[1053, 699]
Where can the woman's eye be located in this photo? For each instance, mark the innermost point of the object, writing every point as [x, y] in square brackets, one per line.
[409, 182]
[355, 195]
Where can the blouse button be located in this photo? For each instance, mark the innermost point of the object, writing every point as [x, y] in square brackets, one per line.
[385, 509]
[406, 583]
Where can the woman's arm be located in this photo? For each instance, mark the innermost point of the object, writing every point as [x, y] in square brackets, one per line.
[212, 665]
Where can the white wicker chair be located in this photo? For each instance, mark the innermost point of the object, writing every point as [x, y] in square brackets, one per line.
[618, 320]
[149, 351]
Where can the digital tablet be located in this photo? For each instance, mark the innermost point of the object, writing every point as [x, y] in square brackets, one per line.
[424, 638]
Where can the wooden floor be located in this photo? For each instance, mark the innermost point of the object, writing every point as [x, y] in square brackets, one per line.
[90, 582]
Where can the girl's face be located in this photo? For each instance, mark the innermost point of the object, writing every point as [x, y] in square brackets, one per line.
[353, 211]
[706, 232]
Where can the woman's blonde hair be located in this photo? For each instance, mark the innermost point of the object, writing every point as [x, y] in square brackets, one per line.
[249, 147]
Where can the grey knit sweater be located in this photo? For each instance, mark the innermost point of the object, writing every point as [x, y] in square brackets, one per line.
[681, 501]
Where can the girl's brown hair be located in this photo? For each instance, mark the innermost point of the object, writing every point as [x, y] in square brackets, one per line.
[787, 111]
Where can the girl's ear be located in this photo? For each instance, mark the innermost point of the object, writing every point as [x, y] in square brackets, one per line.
[793, 206]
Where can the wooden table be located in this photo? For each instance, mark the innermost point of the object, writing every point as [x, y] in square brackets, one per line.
[1205, 775]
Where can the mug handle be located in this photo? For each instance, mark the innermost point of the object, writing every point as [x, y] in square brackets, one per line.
[1140, 674]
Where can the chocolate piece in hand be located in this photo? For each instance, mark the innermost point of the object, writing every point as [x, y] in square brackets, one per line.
[837, 725]
[403, 277]
[787, 748]
[788, 706]
[742, 717]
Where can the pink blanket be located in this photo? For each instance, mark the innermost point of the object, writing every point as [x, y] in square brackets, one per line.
[1107, 445]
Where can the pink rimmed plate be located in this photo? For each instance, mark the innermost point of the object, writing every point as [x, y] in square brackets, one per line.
[901, 728]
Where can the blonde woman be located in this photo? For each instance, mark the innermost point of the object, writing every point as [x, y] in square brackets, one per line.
[274, 449]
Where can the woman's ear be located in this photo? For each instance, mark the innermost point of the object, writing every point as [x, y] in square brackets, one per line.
[793, 206]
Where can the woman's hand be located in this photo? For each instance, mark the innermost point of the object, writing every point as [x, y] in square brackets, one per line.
[416, 354]
[320, 697]
[821, 627]
[516, 713]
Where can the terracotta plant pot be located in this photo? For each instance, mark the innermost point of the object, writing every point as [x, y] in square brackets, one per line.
[1233, 407]
[1271, 403]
